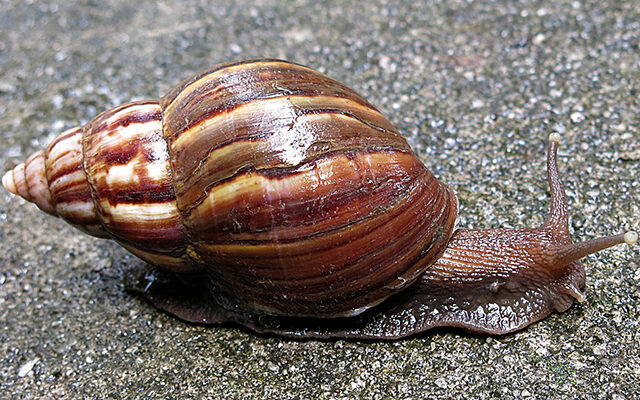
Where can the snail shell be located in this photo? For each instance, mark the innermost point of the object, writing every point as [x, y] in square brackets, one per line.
[294, 197]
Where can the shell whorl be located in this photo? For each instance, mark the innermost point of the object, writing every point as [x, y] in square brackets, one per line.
[55, 181]
[302, 195]
[287, 187]
[111, 178]
[29, 181]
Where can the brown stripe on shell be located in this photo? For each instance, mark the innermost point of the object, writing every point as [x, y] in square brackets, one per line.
[366, 282]
[297, 250]
[242, 156]
[180, 87]
[323, 193]
[68, 183]
[273, 133]
[126, 160]
[71, 187]
[113, 120]
[20, 182]
[226, 88]
[68, 134]
[178, 263]
[36, 179]
[66, 169]
[403, 261]
[381, 239]
[343, 204]
[366, 220]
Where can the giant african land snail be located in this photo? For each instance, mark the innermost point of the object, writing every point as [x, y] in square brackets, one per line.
[285, 202]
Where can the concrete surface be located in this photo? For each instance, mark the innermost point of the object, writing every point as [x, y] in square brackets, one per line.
[476, 87]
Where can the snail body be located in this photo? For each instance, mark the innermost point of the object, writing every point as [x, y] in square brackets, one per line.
[270, 195]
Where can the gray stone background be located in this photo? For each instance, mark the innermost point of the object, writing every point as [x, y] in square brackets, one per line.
[475, 86]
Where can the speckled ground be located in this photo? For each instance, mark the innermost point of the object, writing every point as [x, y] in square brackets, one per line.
[476, 87]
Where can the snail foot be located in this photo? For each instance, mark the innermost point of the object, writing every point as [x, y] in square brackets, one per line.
[484, 306]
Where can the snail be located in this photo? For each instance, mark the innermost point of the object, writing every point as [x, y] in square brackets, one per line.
[267, 194]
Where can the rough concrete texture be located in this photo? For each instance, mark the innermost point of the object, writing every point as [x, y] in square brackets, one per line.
[475, 86]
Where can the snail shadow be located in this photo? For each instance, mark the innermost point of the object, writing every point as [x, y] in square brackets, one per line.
[419, 310]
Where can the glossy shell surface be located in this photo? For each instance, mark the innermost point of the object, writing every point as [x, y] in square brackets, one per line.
[286, 187]
[305, 198]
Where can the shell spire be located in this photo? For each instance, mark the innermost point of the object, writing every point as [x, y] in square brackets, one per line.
[111, 178]
[29, 181]
[55, 181]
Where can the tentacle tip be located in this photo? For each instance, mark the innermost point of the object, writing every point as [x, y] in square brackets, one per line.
[9, 183]
[631, 237]
[573, 291]
[554, 137]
